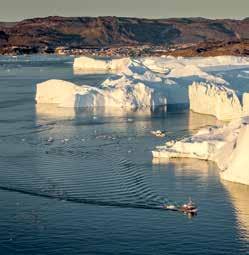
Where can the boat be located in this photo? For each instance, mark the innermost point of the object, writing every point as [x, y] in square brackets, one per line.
[189, 208]
[158, 133]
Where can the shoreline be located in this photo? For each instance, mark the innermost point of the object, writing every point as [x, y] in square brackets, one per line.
[207, 49]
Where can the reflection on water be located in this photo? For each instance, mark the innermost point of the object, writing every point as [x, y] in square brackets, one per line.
[240, 198]
[92, 72]
[176, 124]
[196, 120]
[53, 111]
[184, 163]
[187, 167]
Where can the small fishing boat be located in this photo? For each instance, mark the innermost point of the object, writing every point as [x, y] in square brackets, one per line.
[189, 208]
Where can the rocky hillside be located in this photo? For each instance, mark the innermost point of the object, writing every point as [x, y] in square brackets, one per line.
[51, 32]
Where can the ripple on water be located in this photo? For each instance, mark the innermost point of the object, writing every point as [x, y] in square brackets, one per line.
[102, 166]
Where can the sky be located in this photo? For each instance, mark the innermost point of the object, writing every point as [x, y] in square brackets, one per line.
[14, 10]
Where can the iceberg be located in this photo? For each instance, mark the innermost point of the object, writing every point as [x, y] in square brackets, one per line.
[214, 99]
[218, 100]
[245, 104]
[176, 67]
[183, 67]
[205, 144]
[65, 94]
[151, 82]
[171, 75]
[238, 169]
[123, 95]
[86, 64]
[227, 146]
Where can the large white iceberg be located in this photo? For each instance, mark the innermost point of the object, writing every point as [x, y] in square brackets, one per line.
[169, 74]
[226, 145]
[152, 81]
[123, 95]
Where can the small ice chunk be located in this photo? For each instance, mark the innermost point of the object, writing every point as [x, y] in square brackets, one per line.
[50, 139]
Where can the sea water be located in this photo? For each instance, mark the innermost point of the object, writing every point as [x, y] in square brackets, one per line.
[84, 181]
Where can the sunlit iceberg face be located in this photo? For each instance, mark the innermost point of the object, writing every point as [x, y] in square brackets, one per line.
[122, 95]
[100, 65]
[212, 99]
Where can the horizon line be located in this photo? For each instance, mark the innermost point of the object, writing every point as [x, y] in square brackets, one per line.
[128, 17]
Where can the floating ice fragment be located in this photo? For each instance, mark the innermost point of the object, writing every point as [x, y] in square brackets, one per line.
[50, 139]
[158, 133]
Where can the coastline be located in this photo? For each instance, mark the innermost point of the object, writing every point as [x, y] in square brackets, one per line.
[232, 48]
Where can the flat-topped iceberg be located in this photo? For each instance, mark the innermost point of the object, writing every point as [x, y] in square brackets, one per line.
[226, 145]
[86, 64]
[125, 95]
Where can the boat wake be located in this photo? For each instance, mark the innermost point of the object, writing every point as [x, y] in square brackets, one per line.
[84, 200]
[105, 173]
